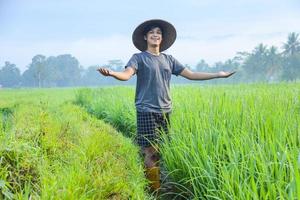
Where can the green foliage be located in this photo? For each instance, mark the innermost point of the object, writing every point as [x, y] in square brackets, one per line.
[10, 75]
[56, 150]
[291, 68]
[113, 108]
[61, 71]
[238, 143]
[292, 45]
[227, 142]
[6, 118]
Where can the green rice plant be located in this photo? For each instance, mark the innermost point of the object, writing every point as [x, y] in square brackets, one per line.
[56, 150]
[6, 117]
[113, 105]
[227, 142]
[233, 142]
[97, 165]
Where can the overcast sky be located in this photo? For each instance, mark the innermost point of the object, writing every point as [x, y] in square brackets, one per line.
[97, 31]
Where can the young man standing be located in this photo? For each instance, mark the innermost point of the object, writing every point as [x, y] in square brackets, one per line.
[152, 99]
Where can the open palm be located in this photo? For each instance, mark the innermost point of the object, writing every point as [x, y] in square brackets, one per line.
[223, 74]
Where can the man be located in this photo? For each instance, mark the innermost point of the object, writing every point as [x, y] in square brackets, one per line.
[153, 103]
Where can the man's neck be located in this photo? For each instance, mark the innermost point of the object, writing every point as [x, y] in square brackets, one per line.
[154, 51]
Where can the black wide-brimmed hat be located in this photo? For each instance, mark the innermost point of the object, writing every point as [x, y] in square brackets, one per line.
[168, 33]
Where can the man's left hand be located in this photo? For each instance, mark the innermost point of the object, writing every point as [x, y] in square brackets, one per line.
[222, 74]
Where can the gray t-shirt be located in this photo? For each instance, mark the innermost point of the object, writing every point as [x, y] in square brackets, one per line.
[153, 81]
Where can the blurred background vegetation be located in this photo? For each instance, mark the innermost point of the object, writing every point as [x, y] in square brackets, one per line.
[263, 64]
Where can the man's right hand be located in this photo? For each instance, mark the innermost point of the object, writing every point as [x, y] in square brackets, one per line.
[122, 76]
[105, 71]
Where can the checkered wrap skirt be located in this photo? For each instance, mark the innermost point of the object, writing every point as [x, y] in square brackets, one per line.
[150, 126]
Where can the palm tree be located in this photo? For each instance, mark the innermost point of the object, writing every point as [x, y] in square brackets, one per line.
[260, 50]
[255, 64]
[291, 62]
[274, 63]
[293, 44]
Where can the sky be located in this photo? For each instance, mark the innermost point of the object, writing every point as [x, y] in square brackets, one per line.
[98, 31]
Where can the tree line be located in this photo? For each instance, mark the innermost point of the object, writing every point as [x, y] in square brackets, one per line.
[262, 64]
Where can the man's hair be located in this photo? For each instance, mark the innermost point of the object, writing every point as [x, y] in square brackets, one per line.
[152, 26]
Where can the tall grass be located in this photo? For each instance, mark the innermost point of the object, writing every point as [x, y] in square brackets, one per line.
[237, 142]
[227, 142]
[114, 105]
[56, 150]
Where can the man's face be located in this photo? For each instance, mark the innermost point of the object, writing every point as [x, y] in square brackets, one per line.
[154, 37]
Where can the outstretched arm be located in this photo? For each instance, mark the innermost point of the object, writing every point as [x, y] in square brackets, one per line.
[122, 76]
[186, 73]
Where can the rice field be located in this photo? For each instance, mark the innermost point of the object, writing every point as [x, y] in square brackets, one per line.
[227, 142]
[53, 149]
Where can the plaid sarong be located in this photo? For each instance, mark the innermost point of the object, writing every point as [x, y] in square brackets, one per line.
[150, 126]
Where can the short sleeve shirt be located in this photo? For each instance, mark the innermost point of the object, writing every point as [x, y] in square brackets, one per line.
[153, 81]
